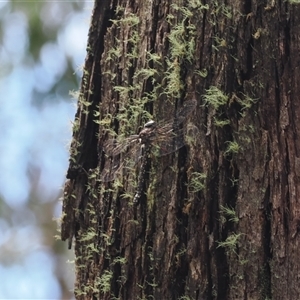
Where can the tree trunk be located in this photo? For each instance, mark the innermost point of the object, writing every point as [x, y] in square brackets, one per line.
[219, 218]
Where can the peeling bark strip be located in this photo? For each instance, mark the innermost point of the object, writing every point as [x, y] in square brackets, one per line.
[221, 220]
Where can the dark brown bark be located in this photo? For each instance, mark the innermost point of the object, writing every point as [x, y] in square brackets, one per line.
[220, 218]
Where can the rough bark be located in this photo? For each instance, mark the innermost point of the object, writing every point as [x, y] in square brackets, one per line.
[220, 218]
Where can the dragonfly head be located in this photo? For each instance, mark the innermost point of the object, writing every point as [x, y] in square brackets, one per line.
[150, 124]
[147, 131]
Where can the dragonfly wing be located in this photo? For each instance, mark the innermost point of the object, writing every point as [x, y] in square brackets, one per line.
[114, 147]
[119, 162]
[185, 111]
[181, 115]
[169, 137]
[168, 142]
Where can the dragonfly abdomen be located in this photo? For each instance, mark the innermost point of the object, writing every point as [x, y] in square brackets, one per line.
[142, 173]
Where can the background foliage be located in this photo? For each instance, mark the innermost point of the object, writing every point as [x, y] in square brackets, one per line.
[42, 46]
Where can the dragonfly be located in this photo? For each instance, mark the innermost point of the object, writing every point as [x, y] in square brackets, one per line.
[159, 138]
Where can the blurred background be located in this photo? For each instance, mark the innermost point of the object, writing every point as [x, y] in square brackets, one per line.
[42, 51]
